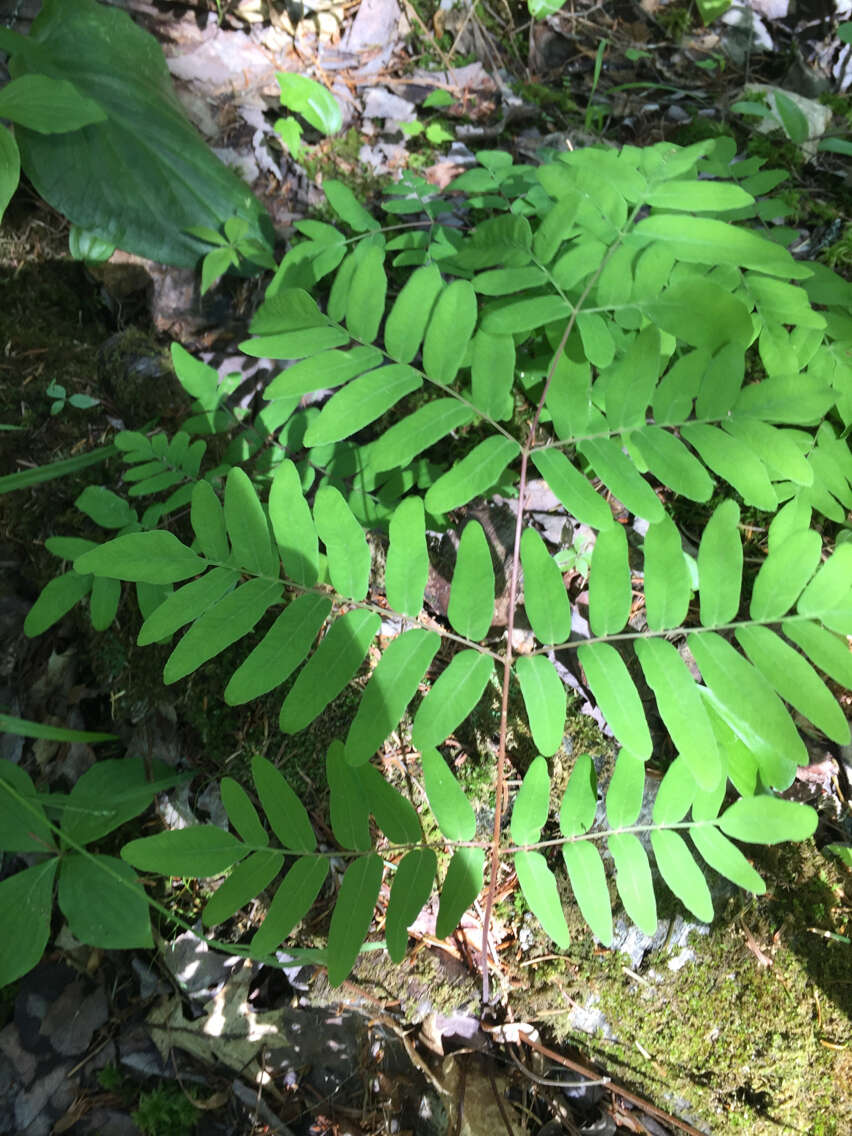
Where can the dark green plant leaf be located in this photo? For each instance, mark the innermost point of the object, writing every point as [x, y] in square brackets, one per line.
[241, 812]
[292, 901]
[26, 901]
[55, 600]
[447, 800]
[156, 557]
[395, 815]
[286, 814]
[349, 809]
[48, 106]
[610, 589]
[472, 476]
[10, 170]
[103, 602]
[329, 669]
[618, 473]
[532, 804]
[408, 318]
[186, 604]
[361, 402]
[545, 597]
[284, 647]
[352, 915]
[545, 700]
[471, 607]
[411, 888]
[418, 431]
[452, 697]
[201, 850]
[392, 685]
[247, 526]
[208, 522]
[110, 793]
[572, 488]
[348, 552]
[118, 919]
[462, 885]
[245, 881]
[448, 333]
[617, 696]
[407, 563]
[23, 827]
[365, 302]
[538, 885]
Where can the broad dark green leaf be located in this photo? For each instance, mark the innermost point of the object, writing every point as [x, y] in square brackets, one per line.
[538, 886]
[545, 597]
[725, 858]
[348, 552]
[241, 812]
[411, 888]
[447, 800]
[285, 812]
[624, 794]
[361, 402]
[471, 606]
[293, 525]
[103, 602]
[349, 809]
[246, 881]
[619, 474]
[580, 801]
[588, 882]
[392, 685]
[23, 827]
[633, 880]
[448, 333]
[323, 372]
[417, 432]
[750, 706]
[545, 700]
[452, 697]
[473, 475]
[702, 240]
[681, 709]
[228, 620]
[572, 488]
[795, 680]
[667, 581]
[352, 915]
[247, 526]
[407, 564]
[119, 918]
[408, 318]
[734, 461]
[156, 557]
[208, 522]
[110, 793]
[10, 168]
[285, 645]
[617, 696]
[720, 566]
[672, 463]
[682, 874]
[365, 303]
[532, 804]
[291, 902]
[462, 885]
[186, 604]
[329, 669]
[395, 815]
[201, 850]
[827, 651]
[768, 820]
[784, 574]
[610, 589]
[26, 900]
[148, 156]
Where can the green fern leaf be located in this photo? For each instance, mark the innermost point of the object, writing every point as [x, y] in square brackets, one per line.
[450, 329]
[201, 851]
[580, 801]
[572, 488]
[624, 795]
[768, 820]
[452, 697]
[733, 461]
[242, 814]
[701, 240]
[284, 811]
[417, 432]
[628, 385]
[365, 303]
[156, 557]
[349, 809]
[329, 669]
[538, 885]
[352, 915]
[545, 700]
[283, 648]
[633, 880]
[292, 901]
[532, 803]
[720, 566]
[830, 653]
[186, 604]
[545, 598]
[775, 448]
[471, 606]
[617, 696]
[682, 874]
[348, 552]
[725, 858]
[361, 402]
[462, 885]
[677, 791]
[408, 318]
[784, 574]
[103, 602]
[452, 810]
[588, 882]
[610, 589]
[476, 473]
[619, 475]
[246, 881]
[672, 463]
[411, 888]
[667, 581]
[828, 597]
[208, 523]
[407, 564]
[347, 206]
[293, 525]
[492, 374]
[323, 372]
[395, 815]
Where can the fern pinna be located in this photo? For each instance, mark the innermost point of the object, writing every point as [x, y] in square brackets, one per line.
[616, 323]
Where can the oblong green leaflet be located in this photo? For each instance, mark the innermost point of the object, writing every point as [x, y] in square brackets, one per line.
[361, 402]
[617, 696]
[295, 344]
[619, 475]
[293, 525]
[572, 488]
[588, 882]
[633, 880]
[186, 604]
[672, 463]
[538, 885]
[201, 850]
[286, 814]
[768, 820]
[292, 901]
[682, 874]
[409, 316]
[448, 334]
[545, 597]
[246, 881]
[352, 915]
[462, 885]
[610, 589]
[247, 526]
[545, 700]
[349, 809]
[407, 563]
[453, 811]
[451, 699]
[392, 685]
[784, 574]
[241, 812]
[349, 558]
[624, 794]
[532, 803]
[472, 476]
[471, 607]
[725, 858]
[411, 888]
[120, 918]
[667, 581]
[420, 430]
[156, 557]
[492, 374]
[580, 800]
[677, 793]
[323, 372]
[828, 651]
[328, 670]
[395, 815]
[219, 626]
[285, 645]
[365, 303]
[734, 461]
[720, 566]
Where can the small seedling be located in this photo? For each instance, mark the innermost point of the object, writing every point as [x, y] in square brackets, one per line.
[60, 397]
[436, 132]
[230, 250]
